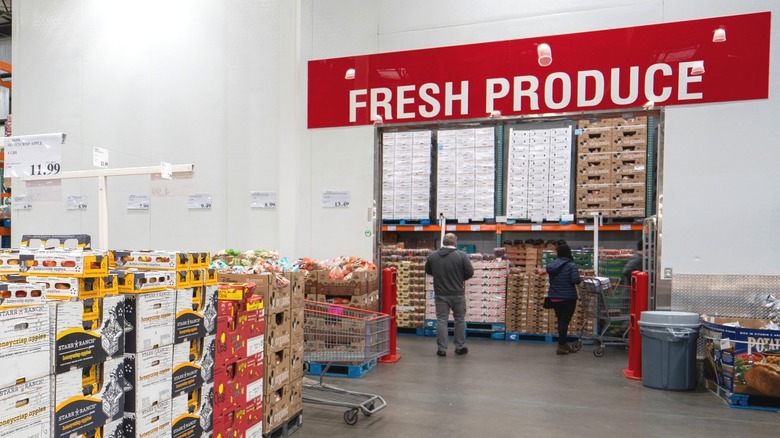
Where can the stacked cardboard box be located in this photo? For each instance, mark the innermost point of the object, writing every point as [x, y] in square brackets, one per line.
[360, 290]
[466, 173]
[539, 174]
[278, 352]
[410, 282]
[485, 292]
[406, 170]
[612, 167]
[525, 314]
[525, 256]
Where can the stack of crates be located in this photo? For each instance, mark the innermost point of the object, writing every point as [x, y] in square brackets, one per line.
[360, 290]
[525, 256]
[410, 282]
[612, 167]
[612, 262]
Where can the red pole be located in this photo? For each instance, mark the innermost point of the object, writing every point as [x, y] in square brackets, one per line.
[639, 285]
[389, 289]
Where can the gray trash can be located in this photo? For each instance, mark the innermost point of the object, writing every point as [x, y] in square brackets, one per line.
[669, 349]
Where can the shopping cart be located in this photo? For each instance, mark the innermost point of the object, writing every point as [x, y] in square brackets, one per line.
[608, 307]
[340, 334]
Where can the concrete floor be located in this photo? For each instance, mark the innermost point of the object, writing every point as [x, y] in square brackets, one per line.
[510, 389]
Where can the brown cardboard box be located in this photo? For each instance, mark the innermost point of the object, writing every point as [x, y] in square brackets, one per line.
[310, 284]
[583, 180]
[296, 362]
[277, 368]
[296, 396]
[628, 194]
[594, 156]
[593, 193]
[631, 179]
[296, 326]
[297, 288]
[264, 282]
[276, 408]
[629, 154]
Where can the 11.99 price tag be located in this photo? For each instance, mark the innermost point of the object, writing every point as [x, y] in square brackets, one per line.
[33, 155]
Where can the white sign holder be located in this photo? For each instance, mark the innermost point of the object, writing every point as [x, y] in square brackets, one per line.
[596, 223]
[102, 176]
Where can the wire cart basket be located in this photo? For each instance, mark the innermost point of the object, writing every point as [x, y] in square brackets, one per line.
[609, 308]
[340, 334]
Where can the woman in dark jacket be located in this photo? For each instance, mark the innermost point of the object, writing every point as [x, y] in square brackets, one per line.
[564, 275]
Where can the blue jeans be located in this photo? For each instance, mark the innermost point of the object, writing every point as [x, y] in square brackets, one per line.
[456, 303]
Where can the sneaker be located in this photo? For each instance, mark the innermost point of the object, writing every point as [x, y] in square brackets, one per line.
[441, 353]
[562, 349]
[463, 350]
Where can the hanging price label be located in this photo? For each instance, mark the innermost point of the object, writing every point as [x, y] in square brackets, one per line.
[536, 227]
[335, 199]
[21, 203]
[100, 157]
[76, 202]
[262, 200]
[33, 155]
[625, 227]
[138, 202]
[200, 201]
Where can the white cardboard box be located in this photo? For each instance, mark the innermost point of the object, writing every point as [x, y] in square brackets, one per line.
[150, 319]
[152, 422]
[26, 409]
[26, 344]
[196, 313]
[148, 378]
[191, 372]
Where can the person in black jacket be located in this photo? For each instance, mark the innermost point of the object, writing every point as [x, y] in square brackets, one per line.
[450, 269]
[564, 276]
[634, 264]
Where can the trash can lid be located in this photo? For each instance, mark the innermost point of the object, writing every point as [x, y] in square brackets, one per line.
[660, 318]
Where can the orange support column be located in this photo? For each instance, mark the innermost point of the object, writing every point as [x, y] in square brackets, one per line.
[639, 285]
[389, 290]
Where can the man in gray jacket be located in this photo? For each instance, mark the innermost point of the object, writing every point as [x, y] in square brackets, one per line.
[450, 269]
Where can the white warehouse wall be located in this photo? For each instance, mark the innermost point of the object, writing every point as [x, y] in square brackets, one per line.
[223, 85]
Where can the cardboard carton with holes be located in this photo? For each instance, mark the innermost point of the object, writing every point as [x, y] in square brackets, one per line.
[149, 320]
[192, 413]
[65, 288]
[26, 409]
[151, 422]
[196, 313]
[61, 255]
[148, 377]
[193, 365]
[26, 340]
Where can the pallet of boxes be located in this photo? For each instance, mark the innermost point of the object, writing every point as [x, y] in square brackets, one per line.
[360, 289]
[612, 161]
[61, 328]
[410, 282]
[278, 353]
[170, 311]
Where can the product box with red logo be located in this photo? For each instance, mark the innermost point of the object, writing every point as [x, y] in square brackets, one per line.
[230, 342]
[253, 330]
[193, 365]
[235, 291]
[230, 423]
[253, 377]
[229, 385]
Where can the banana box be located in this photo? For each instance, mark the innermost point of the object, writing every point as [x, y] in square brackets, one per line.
[26, 340]
[152, 422]
[134, 282]
[68, 288]
[196, 313]
[147, 378]
[25, 409]
[88, 331]
[192, 412]
[88, 398]
[149, 320]
[193, 365]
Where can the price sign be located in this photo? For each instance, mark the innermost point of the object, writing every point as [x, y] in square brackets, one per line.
[536, 227]
[76, 202]
[33, 155]
[450, 228]
[263, 200]
[588, 227]
[100, 157]
[22, 203]
[166, 170]
[475, 228]
[200, 201]
[625, 227]
[331, 199]
[391, 228]
[138, 202]
[418, 228]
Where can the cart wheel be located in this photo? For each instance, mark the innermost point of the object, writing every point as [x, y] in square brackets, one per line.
[598, 352]
[577, 346]
[370, 410]
[351, 417]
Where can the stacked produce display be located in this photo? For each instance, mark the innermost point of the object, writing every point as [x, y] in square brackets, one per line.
[406, 175]
[410, 281]
[105, 343]
[612, 167]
